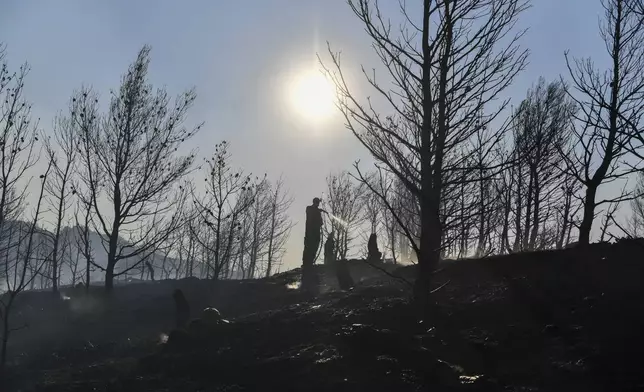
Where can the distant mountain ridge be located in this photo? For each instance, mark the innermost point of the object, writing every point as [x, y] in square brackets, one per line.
[43, 243]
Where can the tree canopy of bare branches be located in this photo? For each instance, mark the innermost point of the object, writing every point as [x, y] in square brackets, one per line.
[611, 104]
[130, 158]
[62, 152]
[279, 224]
[228, 194]
[345, 201]
[444, 66]
[21, 257]
[542, 127]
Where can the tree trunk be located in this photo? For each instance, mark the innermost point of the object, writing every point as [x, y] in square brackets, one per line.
[564, 225]
[59, 221]
[600, 174]
[253, 260]
[480, 247]
[225, 258]
[6, 331]
[462, 251]
[535, 214]
[113, 241]
[163, 269]
[111, 260]
[528, 212]
[392, 236]
[269, 259]
[242, 251]
[589, 215]
[519, 209]
[54, 266]
[109, 277]
[427, 259]
[5, 339]
[217, 245]
[431, 172]
[190, 258]
[75, 270]
[87, 275]
[504, 242]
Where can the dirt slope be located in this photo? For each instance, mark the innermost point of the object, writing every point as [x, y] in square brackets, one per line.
[544, 321]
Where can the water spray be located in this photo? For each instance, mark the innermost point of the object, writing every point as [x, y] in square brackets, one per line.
[335, 218]
[338, 220]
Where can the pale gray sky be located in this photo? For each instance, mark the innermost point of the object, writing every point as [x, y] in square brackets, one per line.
[239, 55]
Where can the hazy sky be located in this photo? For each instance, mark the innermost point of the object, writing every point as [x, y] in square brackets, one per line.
[240, 55]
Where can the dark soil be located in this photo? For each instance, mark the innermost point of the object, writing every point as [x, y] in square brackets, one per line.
[569, 320]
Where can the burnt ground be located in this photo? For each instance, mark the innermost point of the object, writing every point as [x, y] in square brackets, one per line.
[544, 321]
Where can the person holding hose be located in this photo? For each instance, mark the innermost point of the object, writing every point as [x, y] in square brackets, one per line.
[312, 238]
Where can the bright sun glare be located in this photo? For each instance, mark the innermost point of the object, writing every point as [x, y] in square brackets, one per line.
[313, 96]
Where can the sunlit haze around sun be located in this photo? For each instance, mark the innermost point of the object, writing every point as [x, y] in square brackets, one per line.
[312, 96]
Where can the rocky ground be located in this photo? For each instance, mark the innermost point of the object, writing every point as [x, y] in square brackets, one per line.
[544, 321]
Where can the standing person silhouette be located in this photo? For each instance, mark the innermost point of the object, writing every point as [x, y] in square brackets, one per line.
[312, 236]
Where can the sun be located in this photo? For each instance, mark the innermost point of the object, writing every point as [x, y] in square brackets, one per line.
[313, 96]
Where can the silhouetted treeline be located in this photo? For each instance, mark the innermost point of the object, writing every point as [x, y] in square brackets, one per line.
[462, 172]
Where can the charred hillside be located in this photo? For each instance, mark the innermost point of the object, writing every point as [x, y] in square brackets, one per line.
[555, 320]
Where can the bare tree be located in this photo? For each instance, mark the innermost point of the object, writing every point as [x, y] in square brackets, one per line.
[609, 218]
[400, 210]
[21, 268]
[446, 66]
[280, 224]
[259, 212]
[190, 253]
[228, 194]
[82, 239]
[71, 256]
[479, 211]
[611, 104]
[17, 155]
[567, 210]
[62, 154]
[264, 229]
[129, 158]
[372, 215]
[392, 231]
[345, 198]
[185, 246]
[542, 128]
[372, 208]
[244, 235]
[17, 140]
